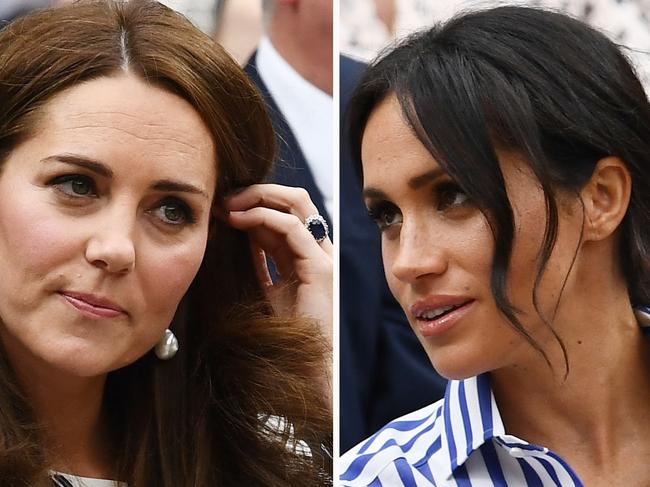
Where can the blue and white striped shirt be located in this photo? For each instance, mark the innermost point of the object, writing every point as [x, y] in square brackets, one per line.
[459, 441]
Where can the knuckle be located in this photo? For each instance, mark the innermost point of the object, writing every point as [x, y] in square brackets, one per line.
[257, 212]
[256, 193]
[326, 265]
[301, 194]
[296, 223]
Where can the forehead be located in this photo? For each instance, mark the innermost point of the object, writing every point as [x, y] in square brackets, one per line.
[123, 117]
[389, 148]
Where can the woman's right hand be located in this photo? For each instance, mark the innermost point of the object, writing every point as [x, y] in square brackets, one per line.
[274, 216]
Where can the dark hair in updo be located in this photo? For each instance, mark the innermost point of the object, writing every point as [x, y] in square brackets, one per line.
[536, 82]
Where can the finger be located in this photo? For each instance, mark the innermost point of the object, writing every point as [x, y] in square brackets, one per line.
[274, 245]
[261, 267]
[325, 243]
[272, 242]
[298, 240]
[287, 199]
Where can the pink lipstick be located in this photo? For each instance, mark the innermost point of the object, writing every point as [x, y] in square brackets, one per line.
[435, 315]
[92, 306]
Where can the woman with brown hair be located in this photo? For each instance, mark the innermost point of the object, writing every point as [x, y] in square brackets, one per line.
[132, 150]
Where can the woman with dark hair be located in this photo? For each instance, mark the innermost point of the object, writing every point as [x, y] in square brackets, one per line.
[132, 218]
[505, 158]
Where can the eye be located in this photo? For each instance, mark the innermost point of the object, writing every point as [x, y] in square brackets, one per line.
[449, 195]
[75, 185]
[384, 214]
[172, 211]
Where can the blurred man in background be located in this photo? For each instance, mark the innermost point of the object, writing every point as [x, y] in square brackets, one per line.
[292, 67]
[12, 9]
[384, 371]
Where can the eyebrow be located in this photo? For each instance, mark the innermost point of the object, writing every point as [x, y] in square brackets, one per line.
[175, 186]
[105, 171]
[80, 161]
[429, 176]
[374, 193]
[415, 182]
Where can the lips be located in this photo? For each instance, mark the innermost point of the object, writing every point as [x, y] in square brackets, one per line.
[92, 305]
[435, 315]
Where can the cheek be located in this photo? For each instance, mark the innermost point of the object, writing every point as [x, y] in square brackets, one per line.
[472, 246]
[389, 251]
[164, 278]
[531, 217]
[33, 239]
[523, 263]
[556, 270]
[167, 275]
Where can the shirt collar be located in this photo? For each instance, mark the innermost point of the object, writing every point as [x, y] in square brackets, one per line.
[642, 314]
[471, 417]
[289, 89]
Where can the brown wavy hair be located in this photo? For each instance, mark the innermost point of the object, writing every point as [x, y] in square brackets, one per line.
[238, 405]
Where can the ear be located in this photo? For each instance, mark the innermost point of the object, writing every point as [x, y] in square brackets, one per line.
[606, 197]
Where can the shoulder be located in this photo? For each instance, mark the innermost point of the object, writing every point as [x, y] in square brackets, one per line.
[397, 450]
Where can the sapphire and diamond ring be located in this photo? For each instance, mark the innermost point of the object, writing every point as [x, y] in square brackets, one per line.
[317, 226]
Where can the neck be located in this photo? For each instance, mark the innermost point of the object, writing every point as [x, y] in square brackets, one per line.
[312, 60]
[604, 395]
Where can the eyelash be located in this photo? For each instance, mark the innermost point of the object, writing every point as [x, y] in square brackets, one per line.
[187, 217]
[60, 182]
[449, 187]
[64, 185]
[382, 212]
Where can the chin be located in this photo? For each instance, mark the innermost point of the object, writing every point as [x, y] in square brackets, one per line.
[83, 363]
[82, 358]
[457, 364]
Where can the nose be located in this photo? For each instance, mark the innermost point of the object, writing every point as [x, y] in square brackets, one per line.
[111, 246]
[419, 253]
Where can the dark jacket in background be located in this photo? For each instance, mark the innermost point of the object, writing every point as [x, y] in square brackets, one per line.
[384, 371]
[291, 168]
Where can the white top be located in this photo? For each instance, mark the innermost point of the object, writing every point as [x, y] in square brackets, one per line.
[75, 481]
[308, 111]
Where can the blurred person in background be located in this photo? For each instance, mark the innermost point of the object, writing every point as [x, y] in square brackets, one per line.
[384, 370]
[292, 67]
[202, 13]
[239, 27]
[367, 26]
[12, 9]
